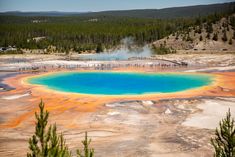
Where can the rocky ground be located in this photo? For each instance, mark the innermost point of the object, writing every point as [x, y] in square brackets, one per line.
[199, 39]
[163, 128]
[179, 127]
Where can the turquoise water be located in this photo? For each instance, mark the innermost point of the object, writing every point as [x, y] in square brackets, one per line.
[112, 83]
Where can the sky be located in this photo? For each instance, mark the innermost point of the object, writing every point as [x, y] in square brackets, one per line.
[96, 5]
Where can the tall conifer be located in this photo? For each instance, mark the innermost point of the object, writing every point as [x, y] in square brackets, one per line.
[224, 140]
[46, 142]
[87, 152]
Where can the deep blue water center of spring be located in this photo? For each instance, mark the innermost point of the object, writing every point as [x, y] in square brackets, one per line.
[113, 83]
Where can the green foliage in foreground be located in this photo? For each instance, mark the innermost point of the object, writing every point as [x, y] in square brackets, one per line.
[224, 140]
[46, 142]
[87, 152]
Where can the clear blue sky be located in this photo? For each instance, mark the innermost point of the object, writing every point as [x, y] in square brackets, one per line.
[95, 5]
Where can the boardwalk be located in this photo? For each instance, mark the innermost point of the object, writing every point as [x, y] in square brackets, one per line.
[96, 65]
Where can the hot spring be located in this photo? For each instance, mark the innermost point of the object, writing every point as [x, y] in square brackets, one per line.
[113, 83]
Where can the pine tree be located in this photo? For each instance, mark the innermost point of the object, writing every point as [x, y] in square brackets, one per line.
[200, 29]
[200, 38]
[209, 28]
[208, 36]
[224, 140]
[99, 48]
[230, 42]
[45, 142]
[189, 38]
[87, 152]
[57, 146]
[224, 38]
[215, 37]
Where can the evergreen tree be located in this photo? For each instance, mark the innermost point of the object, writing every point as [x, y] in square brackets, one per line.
[209, 28]
[224, 140]
[99, 48]
[200, 38]
[199, 29]
[224, 38]
[208, 36]
[189, 38]
[87, 152]
[215, 37]
[57, 146]
[177, 36]
[230, 42]
[45, 142]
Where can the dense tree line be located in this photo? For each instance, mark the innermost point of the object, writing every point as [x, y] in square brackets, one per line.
[85, 34]
[91, 33]
[165, 13]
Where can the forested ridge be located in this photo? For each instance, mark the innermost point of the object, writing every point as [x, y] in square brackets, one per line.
[86, 34]
[169, 13]
[81, 33]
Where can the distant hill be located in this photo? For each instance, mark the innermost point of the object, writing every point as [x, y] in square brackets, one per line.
[176, 12]
[41, 13]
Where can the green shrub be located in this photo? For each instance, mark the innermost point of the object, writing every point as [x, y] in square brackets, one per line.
[46, 142]
[224, 140]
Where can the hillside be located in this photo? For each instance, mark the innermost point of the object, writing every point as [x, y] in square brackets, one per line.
[95, 34]
[41, 13]
[169, 13]
[217, 36]
[175, 12]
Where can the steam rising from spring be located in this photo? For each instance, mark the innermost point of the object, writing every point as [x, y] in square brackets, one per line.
[127, 51]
